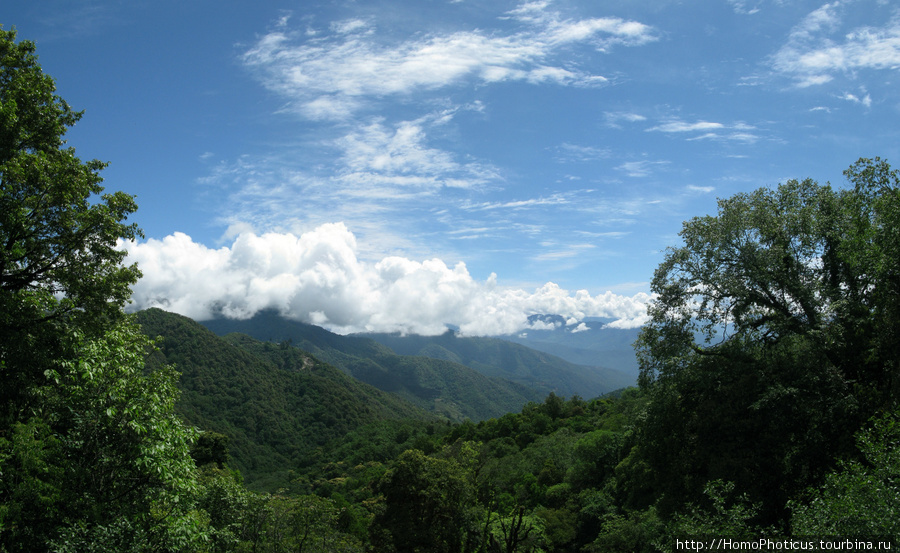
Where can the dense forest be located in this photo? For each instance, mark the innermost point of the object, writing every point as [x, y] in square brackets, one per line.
[767, 403]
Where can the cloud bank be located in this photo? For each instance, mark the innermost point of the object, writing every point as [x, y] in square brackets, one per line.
[319, 278]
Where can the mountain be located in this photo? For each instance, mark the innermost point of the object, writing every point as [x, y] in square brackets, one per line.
[503, 359]
[442, 386]
[595, 343]
[276, 404]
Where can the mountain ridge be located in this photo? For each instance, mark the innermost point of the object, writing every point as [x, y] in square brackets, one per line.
[502, 358]
[441, 386]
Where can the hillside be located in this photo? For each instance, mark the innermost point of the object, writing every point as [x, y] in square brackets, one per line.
[503, 359]
[441, 386]
[276, 404]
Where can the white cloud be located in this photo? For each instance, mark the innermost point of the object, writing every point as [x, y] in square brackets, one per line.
[328, 77]
[554, 199]
[640, 168]
[740, 7]
[681, 126]
[573, 152]
[815, 52]
[376, 177]
[566, 252]
[350, 26]
[614, 117]
[400, 158]
[865, 100]
[580, 328]
[701, 189]
[319, 278]
[708, 130]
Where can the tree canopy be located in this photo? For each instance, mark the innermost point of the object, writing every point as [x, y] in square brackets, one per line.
[773, 336]
[59, 265]
[92, 454]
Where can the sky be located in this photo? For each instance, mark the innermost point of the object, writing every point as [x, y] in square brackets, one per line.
[408, 165]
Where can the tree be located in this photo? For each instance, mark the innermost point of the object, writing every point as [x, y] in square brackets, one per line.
[59, 264]
[773, 337]
[92, 455]
[106, 462]
[426, 505]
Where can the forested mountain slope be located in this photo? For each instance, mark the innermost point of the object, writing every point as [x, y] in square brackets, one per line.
[515, 362]
[444, 387]
[276, 404]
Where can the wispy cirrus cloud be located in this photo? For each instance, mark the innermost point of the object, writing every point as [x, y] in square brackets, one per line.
[708, 130]
[332, 76]
[615, 119]
[544, 201]
[676, 126]
[700, 189]
[640, 168]
[819, 47]
[379, 178]
[573, 152]
[400, 159]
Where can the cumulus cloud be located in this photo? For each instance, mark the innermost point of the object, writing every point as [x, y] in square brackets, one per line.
[318, 277]
[818, 49]
[328, 77]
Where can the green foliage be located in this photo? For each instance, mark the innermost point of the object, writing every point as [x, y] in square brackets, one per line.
[629, 532]
[766, 346]
[426, 505]
[862, 497]
[278, 406]
[59, 264]
[241, 520]
[106, 461]
[722, 514]
[210, 447]
[444, 387]
[92, 455]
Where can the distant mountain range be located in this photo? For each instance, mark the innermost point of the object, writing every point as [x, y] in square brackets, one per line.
[282, 390]
[388, 358]
[593, 343]
[443, 387]
[502, 358]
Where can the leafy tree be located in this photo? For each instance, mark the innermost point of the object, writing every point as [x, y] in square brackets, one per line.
[59, 265]
[106, 461]
[517, 532]
[210, 447]
[772, 338]
[92, 455]
[426, 505]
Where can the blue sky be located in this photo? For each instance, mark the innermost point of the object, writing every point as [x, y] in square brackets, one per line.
[391, 165]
